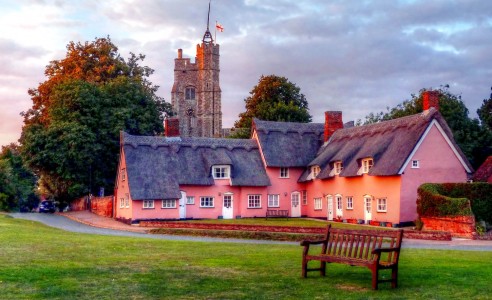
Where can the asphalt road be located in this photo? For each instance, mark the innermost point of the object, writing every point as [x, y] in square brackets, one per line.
[67, 224]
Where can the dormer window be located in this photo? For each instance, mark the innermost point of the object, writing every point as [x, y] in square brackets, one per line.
[221, 172]
[366, 165]
[284, 172]
[315, 171]
[337, 167]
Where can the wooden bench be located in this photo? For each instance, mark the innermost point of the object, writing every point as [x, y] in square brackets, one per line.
[374, 249]
[277, 213]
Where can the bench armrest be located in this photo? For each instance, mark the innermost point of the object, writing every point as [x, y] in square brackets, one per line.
[307, 243]
[380, 250]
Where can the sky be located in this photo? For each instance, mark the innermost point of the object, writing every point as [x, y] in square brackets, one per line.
[352, 56]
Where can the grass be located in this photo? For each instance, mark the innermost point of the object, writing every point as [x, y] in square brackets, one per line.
[38, 262]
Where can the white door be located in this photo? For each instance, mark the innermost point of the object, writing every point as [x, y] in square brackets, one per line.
[182, 206]
[295, 200]
[329, 200]
[367, 208]
[227, 207]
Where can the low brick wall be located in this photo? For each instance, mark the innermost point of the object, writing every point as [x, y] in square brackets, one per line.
[462, 226]
[102, 206]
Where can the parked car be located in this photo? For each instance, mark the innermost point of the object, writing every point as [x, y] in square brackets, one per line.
[46, 206]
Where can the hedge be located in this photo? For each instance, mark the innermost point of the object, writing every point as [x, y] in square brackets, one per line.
[456, 199]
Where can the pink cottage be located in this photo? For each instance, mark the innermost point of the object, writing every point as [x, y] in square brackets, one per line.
[330, 170]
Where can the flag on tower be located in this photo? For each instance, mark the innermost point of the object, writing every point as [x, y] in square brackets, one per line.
[219, 27]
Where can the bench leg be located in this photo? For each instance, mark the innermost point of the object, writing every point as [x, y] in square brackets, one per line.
[394, 278]
[322, 268]
[375, 278]
[304, 267]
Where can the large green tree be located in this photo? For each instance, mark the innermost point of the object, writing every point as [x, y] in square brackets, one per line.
[17, 183]
[485, 112]
[70, 137]
[474, 139]
[274, 98]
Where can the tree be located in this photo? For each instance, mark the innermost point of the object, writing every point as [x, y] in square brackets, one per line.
[473, 139]
[17, 183]
[274, 98]
[485, 112]
[70, 137]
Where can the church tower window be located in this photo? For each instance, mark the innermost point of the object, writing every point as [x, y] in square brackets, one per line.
[190, 93]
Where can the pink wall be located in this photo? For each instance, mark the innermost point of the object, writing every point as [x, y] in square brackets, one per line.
[154, 213]
[437, 163]
[284, 187]
[122, 188]
[357, 187]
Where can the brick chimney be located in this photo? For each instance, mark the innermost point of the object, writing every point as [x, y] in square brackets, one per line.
[430, 99]
[333, 122]
[171, 127]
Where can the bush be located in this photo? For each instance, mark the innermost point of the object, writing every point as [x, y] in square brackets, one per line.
[456, 199]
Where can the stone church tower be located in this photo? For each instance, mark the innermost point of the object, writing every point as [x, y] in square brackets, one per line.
[196, 93]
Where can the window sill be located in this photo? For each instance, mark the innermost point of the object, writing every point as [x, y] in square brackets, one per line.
[207, 206]
[148, 208]
[382, 211]
[254, 207]
[318, 209]
[273, 206]
[168, 207]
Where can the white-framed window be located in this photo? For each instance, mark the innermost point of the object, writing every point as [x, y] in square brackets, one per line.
[190, 200]
[318, 204]
[415, 164]
[221, 172]
[350, 202]
[190, 93]
[382, 204]
[207, 201]
[254, 201]
[169, 203]
[366, 165]
[122, 202]
[228, 200]
[304, 197]
[147, 204]
[295, 199]
[123, 174]
[284, 172]
[315, 171]
[273, 200]
[127, 200]
[338, 198]
[337, 167]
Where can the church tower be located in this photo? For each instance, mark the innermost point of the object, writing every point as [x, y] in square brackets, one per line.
[196, 93]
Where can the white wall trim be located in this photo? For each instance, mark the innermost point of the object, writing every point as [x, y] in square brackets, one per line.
[446, 138]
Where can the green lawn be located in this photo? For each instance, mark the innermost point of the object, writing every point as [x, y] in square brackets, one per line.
[38, 262]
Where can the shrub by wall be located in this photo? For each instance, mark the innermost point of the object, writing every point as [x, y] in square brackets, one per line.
[456, 199]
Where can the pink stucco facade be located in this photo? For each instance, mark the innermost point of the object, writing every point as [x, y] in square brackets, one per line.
[437, 162]
[363, 197]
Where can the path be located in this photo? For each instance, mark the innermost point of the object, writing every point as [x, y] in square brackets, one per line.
[86, 222]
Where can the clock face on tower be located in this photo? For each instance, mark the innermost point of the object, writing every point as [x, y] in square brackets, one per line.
[190, 112]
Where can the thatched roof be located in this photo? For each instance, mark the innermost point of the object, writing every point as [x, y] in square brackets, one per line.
[388, 143]
[288, 144]
[157, 166]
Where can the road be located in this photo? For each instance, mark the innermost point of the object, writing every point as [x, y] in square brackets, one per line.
[67, 224]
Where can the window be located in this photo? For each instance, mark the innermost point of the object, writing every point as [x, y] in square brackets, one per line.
[190, 199]
[382, 204]
[190, 93]
[148, 204]
[339, 202]
[220, 172]
[415, 164]
[350, 202]
[122, 202]
[254, 201]
[367, 164]
[284, 172]
[337, 167]
[315, 171]
[273, 201]
[123, 174]
[127, 200]
[169, 203]
[318, 204]
[304, 197]
[228, 201]
[206, 201]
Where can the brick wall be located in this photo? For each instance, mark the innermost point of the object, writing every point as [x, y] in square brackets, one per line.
[102, 206]
[462, 226]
